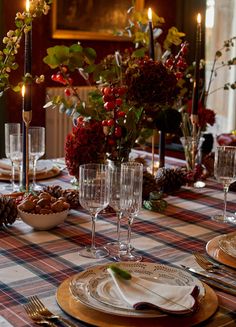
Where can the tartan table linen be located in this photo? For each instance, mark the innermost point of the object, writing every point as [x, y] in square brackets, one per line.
[37, 262]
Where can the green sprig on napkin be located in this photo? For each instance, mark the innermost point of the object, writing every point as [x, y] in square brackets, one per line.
[121, 272]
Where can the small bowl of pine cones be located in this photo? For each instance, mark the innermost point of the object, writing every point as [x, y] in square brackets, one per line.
[43, 211]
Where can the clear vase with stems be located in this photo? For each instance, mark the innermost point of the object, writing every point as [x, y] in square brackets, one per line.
[192, 150]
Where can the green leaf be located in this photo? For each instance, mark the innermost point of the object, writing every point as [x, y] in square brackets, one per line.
[90, 55]
[76, 61]
[76, 48]
[61, 52]
[90, 69]
[58, 55]
[139, 53]
[19, 23]
[16, 88]
[51, 61]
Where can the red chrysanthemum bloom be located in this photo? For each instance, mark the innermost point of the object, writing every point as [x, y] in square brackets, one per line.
[86, 144]
[205, 116]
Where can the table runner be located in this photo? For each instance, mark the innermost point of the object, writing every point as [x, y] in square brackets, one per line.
[36, 262]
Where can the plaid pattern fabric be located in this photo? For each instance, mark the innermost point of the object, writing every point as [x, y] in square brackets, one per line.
[36, 262]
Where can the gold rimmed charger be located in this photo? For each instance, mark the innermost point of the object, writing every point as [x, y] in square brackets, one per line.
[72, 306]
[213, 250]
[47, 169]
[227, 244]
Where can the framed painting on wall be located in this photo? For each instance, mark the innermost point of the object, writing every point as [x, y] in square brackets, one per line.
[90, 19]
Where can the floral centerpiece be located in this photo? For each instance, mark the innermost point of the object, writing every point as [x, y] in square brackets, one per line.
[133, 93]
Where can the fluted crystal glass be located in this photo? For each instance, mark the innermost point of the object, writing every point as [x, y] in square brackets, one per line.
[225, 173]
[94, 186]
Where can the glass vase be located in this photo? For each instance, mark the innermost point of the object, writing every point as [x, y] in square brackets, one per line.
[192, 151]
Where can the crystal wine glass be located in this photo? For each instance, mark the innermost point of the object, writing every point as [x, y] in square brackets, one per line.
[94, 187]
[10, 128]
[131, 184]
[225, 172]
[16, 154]
[114, 202]
[37, 150]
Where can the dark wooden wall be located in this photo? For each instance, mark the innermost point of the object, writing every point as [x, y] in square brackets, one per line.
[174, 12]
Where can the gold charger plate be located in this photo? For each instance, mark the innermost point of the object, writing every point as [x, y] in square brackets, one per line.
[214, 251]
[81, 312]
[53, 172]
[227, 244]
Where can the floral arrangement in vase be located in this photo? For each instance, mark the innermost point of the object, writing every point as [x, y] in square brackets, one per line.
[133, 94]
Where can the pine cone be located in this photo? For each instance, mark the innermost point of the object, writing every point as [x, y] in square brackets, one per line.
[170, 179]
[8, 211]
[149, 185]
[54, 190]
[71, 197]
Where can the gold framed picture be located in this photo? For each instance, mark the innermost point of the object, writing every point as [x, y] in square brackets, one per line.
[90, 19]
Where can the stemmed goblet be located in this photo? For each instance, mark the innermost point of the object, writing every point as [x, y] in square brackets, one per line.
[225, 173]
[36, 150]
[10, 128]
[131, 184]
[94, 188]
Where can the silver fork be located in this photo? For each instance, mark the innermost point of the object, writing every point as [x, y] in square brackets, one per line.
[211, 267]
[35, 316]
[44, 312]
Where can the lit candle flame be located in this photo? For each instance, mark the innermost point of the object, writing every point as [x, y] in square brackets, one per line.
[150, 14]
[23, 91]
[199, 18]
[27, 6]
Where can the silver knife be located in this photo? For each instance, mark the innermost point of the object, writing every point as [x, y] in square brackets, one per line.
[212, 281]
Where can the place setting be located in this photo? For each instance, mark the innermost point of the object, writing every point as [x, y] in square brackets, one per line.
[95, 295]
[222, 248]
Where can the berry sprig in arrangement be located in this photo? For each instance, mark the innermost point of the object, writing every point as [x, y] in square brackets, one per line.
[11, 44]
[115, 126]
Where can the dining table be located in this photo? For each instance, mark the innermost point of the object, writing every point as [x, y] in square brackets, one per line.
[34, 262]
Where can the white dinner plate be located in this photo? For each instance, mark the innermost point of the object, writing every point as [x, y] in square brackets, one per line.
[93, 287]
[227, 244]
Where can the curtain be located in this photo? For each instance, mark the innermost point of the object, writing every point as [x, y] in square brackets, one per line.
[221, 26]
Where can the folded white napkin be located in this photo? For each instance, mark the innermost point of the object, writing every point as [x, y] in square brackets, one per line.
[142, 294]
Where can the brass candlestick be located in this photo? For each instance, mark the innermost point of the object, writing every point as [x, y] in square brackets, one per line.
[27, 117]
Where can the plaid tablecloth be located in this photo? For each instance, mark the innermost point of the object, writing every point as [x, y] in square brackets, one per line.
[36, 262]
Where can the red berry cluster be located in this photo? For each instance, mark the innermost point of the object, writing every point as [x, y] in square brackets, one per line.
[63, 78]
[112, 97]
[178, 63]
